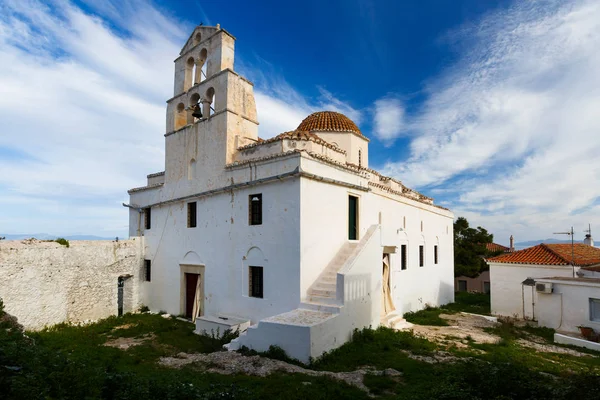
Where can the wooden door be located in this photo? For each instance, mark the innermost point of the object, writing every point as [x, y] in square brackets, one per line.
[191, 282]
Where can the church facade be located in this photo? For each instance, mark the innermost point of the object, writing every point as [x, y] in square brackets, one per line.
[293, 240]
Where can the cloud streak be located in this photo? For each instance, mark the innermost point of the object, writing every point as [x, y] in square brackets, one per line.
[510, 133]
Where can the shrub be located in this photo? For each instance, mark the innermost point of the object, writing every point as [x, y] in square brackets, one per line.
[62, 241]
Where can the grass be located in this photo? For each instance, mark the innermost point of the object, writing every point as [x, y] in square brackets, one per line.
[70, 362]
[475, 303]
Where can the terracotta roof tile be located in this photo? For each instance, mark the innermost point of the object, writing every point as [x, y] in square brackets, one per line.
[328, 121]
[493, 247]
[552, 254]
[294, 135]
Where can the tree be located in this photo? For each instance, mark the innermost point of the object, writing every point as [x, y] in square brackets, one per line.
[470, 248]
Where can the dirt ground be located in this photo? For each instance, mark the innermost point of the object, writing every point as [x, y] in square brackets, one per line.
[227, 362]
[470, 326]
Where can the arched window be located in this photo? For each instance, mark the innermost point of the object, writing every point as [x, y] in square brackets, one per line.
[193, 108]
[188, 79]
[209, 102]
[192, 169]
[201, 66]
[180, 117]
[197, 38]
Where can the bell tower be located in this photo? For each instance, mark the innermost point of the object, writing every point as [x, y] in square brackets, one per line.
[211, 111]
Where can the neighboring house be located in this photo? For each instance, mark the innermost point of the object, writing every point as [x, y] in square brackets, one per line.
[480, 283]
[513, 277]
[294, 235]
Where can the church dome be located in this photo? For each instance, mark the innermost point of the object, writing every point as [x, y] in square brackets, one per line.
[328, 121]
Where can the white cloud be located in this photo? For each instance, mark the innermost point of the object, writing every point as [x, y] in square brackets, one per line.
[82, 103]
[518, 116]
[388, 119]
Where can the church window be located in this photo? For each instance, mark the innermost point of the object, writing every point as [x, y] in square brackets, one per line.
[194, 113]
[435, 254]
[192, 215]
[202, 65]
[147, 217]
[421, 256]
[197, 38]
[255, 281]
[404, 222]
[192, 169]
[180, 117]
[188, 79]
[421, 226]
[255, 209]
[403, 260]
[147, 270]
[360, 158]
[209, 102]
[352, 218]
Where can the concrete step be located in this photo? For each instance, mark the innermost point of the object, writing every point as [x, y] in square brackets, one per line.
[321, 285]
[330, 308]
[329, 279]
[325, 300]
[322, 293]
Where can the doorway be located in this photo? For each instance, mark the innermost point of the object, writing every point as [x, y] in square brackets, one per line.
[387, 303]
[192, 291]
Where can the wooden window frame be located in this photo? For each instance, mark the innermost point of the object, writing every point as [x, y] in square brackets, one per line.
[403, 257]
[147, 218]
[255, 214]
[192, 214]
[421, 255]
[256, 280]
[147, 271]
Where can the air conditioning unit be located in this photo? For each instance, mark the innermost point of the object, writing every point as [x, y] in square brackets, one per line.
[543, 287]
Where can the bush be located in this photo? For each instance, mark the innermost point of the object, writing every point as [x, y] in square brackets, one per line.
[62, 241]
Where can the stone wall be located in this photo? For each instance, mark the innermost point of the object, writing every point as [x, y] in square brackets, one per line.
[45, 283]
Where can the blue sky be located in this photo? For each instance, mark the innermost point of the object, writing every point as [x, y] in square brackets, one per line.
[490, 107]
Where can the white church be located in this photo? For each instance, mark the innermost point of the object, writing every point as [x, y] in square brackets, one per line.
[292, 240]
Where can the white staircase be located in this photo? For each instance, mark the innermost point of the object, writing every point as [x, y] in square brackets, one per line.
[322, 294]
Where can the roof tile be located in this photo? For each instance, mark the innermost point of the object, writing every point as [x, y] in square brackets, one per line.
[552, 254]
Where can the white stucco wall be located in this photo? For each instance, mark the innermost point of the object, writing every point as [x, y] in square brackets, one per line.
[506, 285]
[568, 306]
[325, 229]
[226, 245]
[45, 283]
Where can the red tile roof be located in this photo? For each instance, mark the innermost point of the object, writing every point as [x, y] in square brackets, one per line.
[328, 121]
[493, 247]
[552, 254]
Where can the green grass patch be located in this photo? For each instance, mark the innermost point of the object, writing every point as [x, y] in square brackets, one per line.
[475, 303]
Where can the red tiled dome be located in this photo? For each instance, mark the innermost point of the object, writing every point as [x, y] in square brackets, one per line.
[328, 121]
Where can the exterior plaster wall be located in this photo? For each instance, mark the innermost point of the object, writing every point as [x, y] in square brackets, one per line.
[45, 283]
[226, 245]
[476, 284]
[567, 307]
[325, 229]
[507, 289]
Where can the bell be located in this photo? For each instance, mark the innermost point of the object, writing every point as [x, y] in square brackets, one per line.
[197, 112]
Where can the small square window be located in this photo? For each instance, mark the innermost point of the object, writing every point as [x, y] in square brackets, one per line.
[403, 263]
[255, 281]
[462, 286]
[435, 254]
[147, 270]
[192, 216]
[595, 310]
[147, 217]
[255, 209]
[421, 256]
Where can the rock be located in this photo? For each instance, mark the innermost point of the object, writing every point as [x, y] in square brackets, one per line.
[166, 315]
[391, 372]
